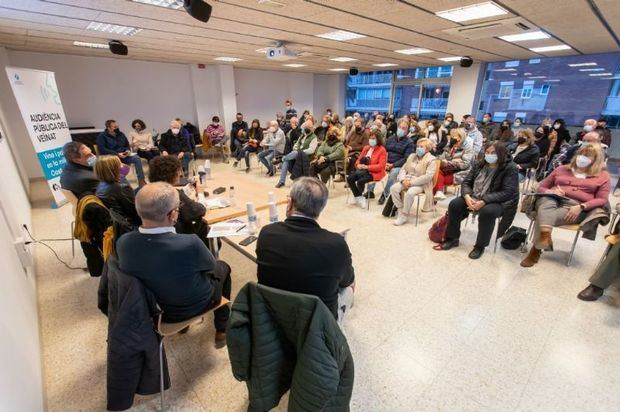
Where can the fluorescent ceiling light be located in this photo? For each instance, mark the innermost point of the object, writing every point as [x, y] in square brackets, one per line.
[550, 48]
[583, 64]
[505, 70]
[449, 59]
[227, 59]
[600, 69]
[533, 35]
[600, 74]
[472, 12]
[416, 50]
[340, 35]
[385, 64]
[263, 50]
[91, 45]
[343, 59]
[294, 65]
[537, 77]
[169, 4]
[113, 28]
[339, 69]
[272, 3]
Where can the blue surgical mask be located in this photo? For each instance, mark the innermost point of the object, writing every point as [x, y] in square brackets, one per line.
[372, 142]
[516, 124]
[420, 151]
[400, 133]
[91, 161]
[412, 129]
[490, 158]
[587, 128]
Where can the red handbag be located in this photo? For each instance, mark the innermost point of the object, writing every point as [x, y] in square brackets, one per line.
[437, 232]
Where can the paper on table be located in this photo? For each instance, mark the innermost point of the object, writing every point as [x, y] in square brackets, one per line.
[234, 227]
[217, 203]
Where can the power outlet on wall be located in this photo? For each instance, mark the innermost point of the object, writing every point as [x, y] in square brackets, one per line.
[23, 251]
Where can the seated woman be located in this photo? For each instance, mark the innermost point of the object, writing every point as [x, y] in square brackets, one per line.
[141, 141]
[369, 167]
[573, 190]
[525, 154]
[328, 153]
[456, 161]
[491, 189]
[503, 133]
[168, 169]
[114, 195]
[415, 177]
[437, 135]
[215, 132]
[251, 145]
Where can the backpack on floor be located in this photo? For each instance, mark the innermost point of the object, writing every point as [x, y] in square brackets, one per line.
[437, 232]
[389, 210]
[513, 238]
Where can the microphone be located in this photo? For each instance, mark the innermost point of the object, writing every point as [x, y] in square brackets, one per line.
[202, 173]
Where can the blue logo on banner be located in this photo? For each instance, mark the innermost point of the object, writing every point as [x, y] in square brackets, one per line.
[52, 161]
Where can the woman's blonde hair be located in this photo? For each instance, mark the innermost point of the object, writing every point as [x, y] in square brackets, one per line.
[529, 136]
[458, 133]
[425, 143]
[403, 121]
[593, 151]
[108, 169]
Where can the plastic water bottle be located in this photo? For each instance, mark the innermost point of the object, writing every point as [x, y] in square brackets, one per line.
[207, 168]
[252, 219]
[231, 196]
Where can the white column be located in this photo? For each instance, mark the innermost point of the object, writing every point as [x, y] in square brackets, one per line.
[228, 95]
[464, 89]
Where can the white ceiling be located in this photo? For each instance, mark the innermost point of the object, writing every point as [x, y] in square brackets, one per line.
[238, 27]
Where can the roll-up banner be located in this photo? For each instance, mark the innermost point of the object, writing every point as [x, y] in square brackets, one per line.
[39, 102]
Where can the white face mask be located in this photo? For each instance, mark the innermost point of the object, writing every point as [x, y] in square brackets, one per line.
[431, 128]
[583, 161]
[175, 130]
[556, 126]
[272, 129]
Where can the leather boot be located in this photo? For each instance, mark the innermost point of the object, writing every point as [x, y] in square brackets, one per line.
[532, 258]
[546, 242]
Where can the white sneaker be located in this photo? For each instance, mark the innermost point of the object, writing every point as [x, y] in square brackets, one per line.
[401, 219]
[362, 202]
[439, 195]
[352, 200]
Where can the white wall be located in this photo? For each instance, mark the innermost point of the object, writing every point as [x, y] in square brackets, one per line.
[329, 93]
[21, 386]
[94, 89]
[261, 94]
[464, 89]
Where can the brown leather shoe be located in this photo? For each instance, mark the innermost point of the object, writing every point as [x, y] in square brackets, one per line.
[546, 242]
[220, 339]
[532, 258]
[591, 293]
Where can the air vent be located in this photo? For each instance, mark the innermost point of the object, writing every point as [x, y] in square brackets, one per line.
[488, 30]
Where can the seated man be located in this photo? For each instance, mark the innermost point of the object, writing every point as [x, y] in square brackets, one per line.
[78, 175]
[307, 143]
[114, 142]
[299, 256]
[566, 154]
[606, 273]
[273, 144]
[173, 143]
[179, 269]
[399, 147]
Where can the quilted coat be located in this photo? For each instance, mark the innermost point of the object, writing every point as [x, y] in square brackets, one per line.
[279, 340]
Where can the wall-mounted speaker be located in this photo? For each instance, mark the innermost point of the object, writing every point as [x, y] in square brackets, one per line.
[117, 47]
[353, 71]
[466, 61]
[198, 9]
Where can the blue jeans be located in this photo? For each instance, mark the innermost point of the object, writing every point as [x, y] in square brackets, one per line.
[286, 161]
[266, 157]
[135, 160]
[391, 180]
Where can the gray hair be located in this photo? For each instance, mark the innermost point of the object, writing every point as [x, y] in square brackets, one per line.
[309, 196]
[71, 150]
[155, 200]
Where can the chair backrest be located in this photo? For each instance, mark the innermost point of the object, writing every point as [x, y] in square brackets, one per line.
[71, 198]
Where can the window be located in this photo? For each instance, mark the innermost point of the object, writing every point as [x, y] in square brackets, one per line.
[527, 89]
[505, 90]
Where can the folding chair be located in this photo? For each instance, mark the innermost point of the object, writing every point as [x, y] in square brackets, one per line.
[530, 235]
[419, 195]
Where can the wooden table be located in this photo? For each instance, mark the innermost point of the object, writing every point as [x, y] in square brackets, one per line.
[249, 251]
[248, 188]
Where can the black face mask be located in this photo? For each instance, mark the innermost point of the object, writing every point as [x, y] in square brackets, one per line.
[504, 126]
[521, 140]
[358, 129]
[332, 139]
[453, 142]
[538, 135]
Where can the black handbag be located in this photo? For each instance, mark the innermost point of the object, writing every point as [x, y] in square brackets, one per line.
[389, 210]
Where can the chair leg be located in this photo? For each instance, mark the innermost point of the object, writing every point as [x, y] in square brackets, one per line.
[572, 250]
[417, 211]
[496, 233]
[72, 239]
[161, 373]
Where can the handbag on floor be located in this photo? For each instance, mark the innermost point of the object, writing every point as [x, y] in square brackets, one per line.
[513, 238]
[437, 232]
[389, 210]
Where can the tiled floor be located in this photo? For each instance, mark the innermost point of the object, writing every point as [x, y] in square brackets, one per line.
[429, 330]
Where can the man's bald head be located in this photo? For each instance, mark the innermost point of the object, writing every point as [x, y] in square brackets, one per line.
[592, 137]
[155, 201]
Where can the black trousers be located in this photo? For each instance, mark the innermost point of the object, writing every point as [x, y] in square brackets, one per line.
[94, 258]
[222, 284]
[357, 181]
[324, 170]
[457, 212]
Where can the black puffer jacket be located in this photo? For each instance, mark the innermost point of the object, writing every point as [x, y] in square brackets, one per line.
[504, 190]
[121, 199]
[528, 158]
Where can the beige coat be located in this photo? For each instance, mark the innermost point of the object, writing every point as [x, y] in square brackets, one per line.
[420, 172]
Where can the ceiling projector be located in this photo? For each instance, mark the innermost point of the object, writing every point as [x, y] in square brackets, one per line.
[280, 53]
